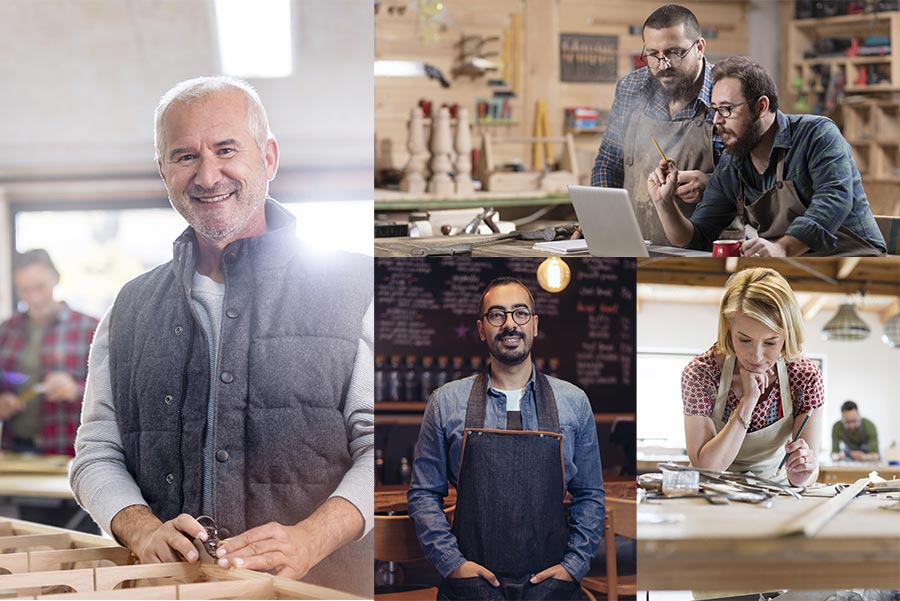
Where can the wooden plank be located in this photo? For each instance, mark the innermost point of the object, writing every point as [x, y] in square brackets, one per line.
[236, 589]
[81, 581]
[110, 578]
[26, 541]
[14, 563]
[285, 588]
[748, 565]
[145, 592]
[78, 539]
[812, 522]
[40, 561]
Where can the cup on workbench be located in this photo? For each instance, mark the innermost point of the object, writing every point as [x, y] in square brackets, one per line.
[727, 248]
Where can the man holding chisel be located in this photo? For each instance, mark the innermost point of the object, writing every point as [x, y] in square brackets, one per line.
[666, 102]
[43, 355]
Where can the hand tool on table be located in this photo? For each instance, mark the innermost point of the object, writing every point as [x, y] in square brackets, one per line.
[546, 234]
[214, 535]
[747, 482]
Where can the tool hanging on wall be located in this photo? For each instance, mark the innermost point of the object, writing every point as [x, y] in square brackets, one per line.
[541, 130]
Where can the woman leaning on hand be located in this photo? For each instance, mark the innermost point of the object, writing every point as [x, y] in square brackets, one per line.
[745, 398]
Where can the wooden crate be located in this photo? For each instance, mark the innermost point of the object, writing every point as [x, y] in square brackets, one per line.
[45, 562]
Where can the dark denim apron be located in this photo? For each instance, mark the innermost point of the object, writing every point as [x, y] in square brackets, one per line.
[509, 515]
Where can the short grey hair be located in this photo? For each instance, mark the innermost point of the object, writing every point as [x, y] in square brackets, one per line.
[192, 90]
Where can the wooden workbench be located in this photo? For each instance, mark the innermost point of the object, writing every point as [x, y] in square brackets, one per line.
[44, 558]
[483, 247]
[733, 547]
[852, 471]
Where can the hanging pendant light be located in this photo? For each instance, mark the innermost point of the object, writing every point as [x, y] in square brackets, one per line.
[891, 336]
[553, 274]
[846, 325]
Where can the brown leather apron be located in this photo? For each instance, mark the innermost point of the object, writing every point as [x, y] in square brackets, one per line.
[773, 212]
[688, 143]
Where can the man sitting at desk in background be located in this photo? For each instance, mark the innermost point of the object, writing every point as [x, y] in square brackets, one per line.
[854, 437]
[509, 538]
[44, 353]
[235, 380]
[668, 100]
[791, 177]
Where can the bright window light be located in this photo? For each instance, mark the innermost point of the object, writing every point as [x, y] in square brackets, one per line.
[254, 37]
[335, 225]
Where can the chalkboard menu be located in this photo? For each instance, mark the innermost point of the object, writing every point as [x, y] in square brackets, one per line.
[425, 331]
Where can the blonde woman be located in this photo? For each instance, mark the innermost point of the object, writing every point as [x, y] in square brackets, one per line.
[745, 398]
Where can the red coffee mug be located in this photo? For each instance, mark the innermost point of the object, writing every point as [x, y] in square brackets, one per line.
[727, 248]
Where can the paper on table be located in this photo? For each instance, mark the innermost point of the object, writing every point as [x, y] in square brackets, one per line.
[563, 247]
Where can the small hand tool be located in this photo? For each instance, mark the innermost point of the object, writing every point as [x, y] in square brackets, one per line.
[214, 534]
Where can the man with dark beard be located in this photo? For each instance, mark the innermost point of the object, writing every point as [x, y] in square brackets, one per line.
[667, 100]
[790, 178]
[512, 441]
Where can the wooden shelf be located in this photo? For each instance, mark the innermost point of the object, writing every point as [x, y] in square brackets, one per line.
[849, 60]
[389, 200]
[803, 34]
[841, 22]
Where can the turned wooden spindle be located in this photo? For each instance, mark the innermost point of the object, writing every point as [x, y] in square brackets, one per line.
[414, 174]
[441, 144]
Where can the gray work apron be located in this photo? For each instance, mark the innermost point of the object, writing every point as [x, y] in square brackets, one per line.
[510, 516]
[773, 212]
[689, 144]
[762, 450]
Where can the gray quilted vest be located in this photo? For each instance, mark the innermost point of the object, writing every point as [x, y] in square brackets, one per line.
[290, 332]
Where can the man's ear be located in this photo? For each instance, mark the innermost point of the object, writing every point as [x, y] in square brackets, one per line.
[762, 106]
[480, 327]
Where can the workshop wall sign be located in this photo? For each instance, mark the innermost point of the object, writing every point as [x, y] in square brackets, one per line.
[588, 58]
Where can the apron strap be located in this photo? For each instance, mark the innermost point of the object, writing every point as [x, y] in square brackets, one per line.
[779, 166]
[787, 395]
[476, 402]
[724, 387]
[545, 403]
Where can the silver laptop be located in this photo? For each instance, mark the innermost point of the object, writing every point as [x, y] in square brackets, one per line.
[608, 221]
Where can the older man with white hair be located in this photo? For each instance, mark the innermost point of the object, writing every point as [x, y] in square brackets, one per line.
[234, 381]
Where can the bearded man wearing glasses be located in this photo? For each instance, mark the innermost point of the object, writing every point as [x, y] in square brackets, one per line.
[667, 100]
[787, 183]
[512, 441]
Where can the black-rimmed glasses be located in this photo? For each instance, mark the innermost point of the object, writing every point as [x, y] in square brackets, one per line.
[497, 317]
[725, 110]
[673, 58]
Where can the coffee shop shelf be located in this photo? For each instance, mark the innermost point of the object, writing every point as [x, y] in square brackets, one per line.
[389, 200]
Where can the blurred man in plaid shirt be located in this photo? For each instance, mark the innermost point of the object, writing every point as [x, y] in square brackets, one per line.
[43, 358]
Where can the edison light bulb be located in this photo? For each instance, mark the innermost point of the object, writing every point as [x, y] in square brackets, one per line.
[554, 275]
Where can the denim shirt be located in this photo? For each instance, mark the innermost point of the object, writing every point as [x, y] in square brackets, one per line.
[819, 162]
[439, 450]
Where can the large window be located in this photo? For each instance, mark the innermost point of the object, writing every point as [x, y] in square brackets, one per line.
[99, 250]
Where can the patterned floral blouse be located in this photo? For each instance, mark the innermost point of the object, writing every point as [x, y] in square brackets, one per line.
[700, 382]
